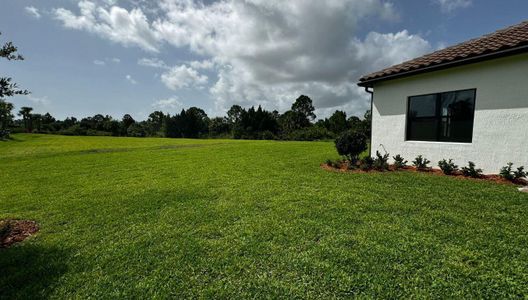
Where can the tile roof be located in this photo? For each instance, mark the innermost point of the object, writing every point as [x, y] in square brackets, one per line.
[506, 39]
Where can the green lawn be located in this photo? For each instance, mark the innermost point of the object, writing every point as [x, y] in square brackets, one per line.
[141, 218]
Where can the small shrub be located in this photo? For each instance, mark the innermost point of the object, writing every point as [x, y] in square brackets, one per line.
[351, 144]
[4, 134]
[506, 172]
[448, 166]
[366, 163]
[520, 173]
[329, 162]
[471, 171]
[381, 162]
[399, 162]
[421, 163]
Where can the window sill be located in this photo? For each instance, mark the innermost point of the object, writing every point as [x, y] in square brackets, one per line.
[441, 143]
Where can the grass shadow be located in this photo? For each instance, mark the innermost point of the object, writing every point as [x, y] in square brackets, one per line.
[29, 271]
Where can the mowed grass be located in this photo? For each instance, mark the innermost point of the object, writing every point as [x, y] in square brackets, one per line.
[144, 218]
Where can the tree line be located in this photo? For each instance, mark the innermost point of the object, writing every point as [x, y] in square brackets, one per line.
[298, 123]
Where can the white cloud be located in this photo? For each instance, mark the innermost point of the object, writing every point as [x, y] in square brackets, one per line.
[261, 51]
[451, 5]
[203, 65]
[100, 62]
[42, 101]
[33, 11]
[153, 62]
[179, 77]
[172, 103]
[130, 79]
[115, 23]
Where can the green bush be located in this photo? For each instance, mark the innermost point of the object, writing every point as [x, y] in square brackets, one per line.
[366, 163]
[266, 135]
[471, 171]
[312, 133]
[4, 134]
[520, 173]
[381, 162]
[73, 130]
[399, 162]
[506, 172]
[448, 166]
[351, 144]
[421, 163]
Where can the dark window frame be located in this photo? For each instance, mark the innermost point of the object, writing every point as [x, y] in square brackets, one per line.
[438, 117]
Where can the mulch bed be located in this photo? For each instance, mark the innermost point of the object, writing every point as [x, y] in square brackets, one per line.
[14, 231]
[494, 178]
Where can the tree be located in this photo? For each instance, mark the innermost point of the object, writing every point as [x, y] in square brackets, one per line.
[25, 113]
[8, 88]
[338, 122]
[304, 105]
[219, 126]
[6, 117]
[127, 121]
[367, 123]
[355, 123]
[136, 130]
[196, 122]
[234, 114]
[36, 119]
[155, 122]
[351, 144]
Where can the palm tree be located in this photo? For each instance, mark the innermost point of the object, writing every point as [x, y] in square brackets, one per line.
[25, 113]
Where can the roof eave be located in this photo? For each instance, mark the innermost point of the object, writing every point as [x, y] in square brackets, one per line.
[455, 63]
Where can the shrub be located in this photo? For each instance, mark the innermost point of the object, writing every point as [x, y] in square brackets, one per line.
[4, 134]
[421, 163]
[381, 162]
[329, 162]
[312, 133]
[366, 163]
[506, 172]
[351, 144]
[520, 173]
[471, 171]
[399, 162]
[448, 166]
[266, 135]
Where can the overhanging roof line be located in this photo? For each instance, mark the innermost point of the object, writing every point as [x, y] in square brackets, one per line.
[465, 61]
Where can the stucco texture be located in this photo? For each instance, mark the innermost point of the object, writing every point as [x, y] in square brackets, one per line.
[500, 132]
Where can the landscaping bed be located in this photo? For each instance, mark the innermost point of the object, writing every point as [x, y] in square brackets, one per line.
[14, 231]
[491, 177]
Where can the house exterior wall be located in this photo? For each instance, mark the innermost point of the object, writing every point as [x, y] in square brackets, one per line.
[500, 132]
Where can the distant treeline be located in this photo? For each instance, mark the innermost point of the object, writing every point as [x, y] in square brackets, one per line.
[240, 123]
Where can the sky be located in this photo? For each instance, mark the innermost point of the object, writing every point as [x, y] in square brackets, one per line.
[136, 56]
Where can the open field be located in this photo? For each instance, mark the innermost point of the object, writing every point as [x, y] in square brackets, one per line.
[125, 217]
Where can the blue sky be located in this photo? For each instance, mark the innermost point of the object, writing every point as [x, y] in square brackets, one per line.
[137, 56]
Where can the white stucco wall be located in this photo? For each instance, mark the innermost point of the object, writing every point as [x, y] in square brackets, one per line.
[500, 132]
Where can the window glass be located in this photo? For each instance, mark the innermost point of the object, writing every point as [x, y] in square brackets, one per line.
[452, 121]
[423, 106]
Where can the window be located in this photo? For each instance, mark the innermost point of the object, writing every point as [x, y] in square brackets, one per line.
[442, 117]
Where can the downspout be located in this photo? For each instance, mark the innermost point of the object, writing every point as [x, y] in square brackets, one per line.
[371, 92]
